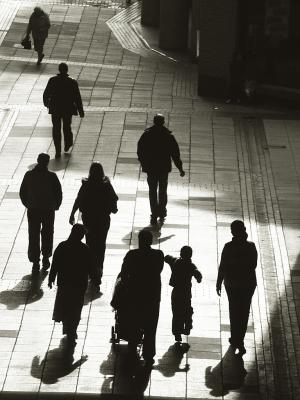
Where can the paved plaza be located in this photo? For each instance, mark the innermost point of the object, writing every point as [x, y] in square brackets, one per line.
[241, 162]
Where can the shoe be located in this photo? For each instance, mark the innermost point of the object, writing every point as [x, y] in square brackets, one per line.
[153, 220]
[40, 59]
[162, 220]
[242, 350]
[46, 263]
[67, 147]
[57, 155]
[35, 268]
[149, 362]
[178, 338]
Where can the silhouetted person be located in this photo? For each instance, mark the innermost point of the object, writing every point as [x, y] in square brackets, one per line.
[72, 265]
[41, 194]
[156, 149]
[38, 26]
[140, 273]
[96, 200]
[62, 98]
[237, 79]
[183, 270]
[237, 270]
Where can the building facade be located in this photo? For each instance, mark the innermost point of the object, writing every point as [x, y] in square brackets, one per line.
[265, 32]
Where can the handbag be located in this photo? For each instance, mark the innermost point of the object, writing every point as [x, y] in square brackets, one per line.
[26, 43]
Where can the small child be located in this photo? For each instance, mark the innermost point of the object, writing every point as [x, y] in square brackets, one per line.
[181, 279]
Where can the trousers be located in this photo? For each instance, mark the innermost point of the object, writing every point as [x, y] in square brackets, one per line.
[96, 235]
[239, 308]
[158, 197]
[40, 224]
[66, 120]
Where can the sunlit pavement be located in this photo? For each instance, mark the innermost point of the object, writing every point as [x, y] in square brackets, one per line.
[241, 162]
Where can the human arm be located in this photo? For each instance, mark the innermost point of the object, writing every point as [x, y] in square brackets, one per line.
[221, 271]
[57, 191]
[113, 198]
[24, 191]
[29, 26]
[76, 204]
[54, 267]
[48, 93]
[78, 100]
[196, 274]
[170, 260]
[175, 155]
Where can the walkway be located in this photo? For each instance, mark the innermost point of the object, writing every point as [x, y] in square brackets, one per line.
[241, 162]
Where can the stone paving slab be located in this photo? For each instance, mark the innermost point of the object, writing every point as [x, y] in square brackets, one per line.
[240, 163]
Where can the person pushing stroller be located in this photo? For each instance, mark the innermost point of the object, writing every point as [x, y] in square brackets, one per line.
[183, 270]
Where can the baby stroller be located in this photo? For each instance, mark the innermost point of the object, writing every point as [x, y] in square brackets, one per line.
[126, 326]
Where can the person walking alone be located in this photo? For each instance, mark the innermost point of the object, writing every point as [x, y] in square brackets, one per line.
[38, 26]
[62, 98]
[72, 265]
[96, 200]
[156, 149]
[237, 271]
[41, 194]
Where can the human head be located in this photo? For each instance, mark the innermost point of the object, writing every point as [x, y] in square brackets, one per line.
[77, 232]
[96, 171]
[43, 159]
[145, 238]
[38, 11]
[159, 120]
[238, 228]
[63, 68]
[186, 252]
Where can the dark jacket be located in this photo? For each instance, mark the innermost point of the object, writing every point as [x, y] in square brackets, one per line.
[97, 198]
[71, 264]
[38, 25]
[182, 273]
[62, 96]
[157, 148]
[41, 189]
[238, 263]
[140, 272]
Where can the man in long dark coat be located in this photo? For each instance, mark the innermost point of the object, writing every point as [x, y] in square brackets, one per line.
[140, 272]
[72, 265]
[63, 99]
[156, 149]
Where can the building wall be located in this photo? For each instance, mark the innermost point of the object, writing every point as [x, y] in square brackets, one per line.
[217, 24]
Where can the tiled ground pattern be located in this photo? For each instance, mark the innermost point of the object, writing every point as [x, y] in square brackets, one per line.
[240, 163]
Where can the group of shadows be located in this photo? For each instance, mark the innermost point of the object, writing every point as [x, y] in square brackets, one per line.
[122, 374]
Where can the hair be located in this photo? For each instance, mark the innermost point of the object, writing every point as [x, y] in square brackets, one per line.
[78, 231]
[145, 237]
[186, 252]
[238, 228]
[63, 68]
[96, 172]
[158, 119]
[38, 11]
[43, 159]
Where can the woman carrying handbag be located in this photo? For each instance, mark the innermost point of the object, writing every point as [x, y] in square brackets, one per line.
[38, 27]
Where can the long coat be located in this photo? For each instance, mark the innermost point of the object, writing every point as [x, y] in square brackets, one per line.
[39, 25]
[62, 96]
[72, 266]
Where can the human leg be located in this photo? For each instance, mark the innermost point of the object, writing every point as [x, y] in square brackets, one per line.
[68, 135]
[150, 326]
[245, 304]
[152, 180]
[47, 236]
[56, 133]
[178, 317]
[38, 43]
[163, 195]
[234, 315]
[34, 226]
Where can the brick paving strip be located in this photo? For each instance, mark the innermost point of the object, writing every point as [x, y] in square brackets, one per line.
[229, 177]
